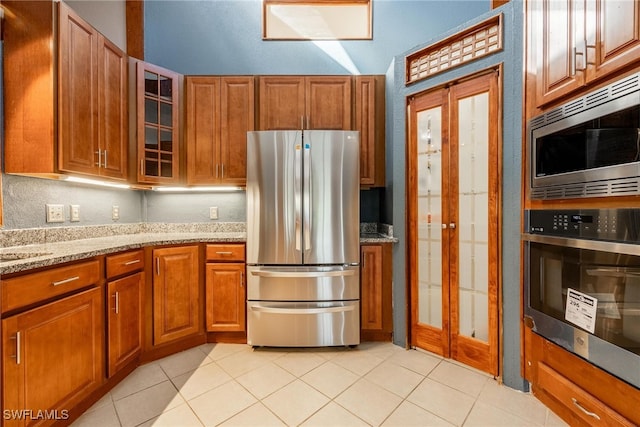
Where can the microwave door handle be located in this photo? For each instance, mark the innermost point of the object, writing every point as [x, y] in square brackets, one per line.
[542, 280]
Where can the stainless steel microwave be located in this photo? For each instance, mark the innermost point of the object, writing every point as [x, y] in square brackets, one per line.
[588, 147]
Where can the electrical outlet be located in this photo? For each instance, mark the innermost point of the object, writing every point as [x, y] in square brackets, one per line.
[213, 213]
[74, 215]
[55, 213]
[115, 213]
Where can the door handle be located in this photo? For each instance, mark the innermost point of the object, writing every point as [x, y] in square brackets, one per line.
[303, 274]
[319, 310]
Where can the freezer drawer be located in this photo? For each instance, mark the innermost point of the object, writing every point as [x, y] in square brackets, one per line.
[303, 283]
[296, 324]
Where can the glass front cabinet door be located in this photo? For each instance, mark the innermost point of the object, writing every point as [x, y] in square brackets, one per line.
[158, 121]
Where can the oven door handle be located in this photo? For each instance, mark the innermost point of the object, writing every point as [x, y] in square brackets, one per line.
[593, 245]
[319, 310]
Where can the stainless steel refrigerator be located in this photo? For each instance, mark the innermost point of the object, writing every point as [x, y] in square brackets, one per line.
[303, 228]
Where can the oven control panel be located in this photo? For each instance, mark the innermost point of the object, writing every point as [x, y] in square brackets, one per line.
[622, 225]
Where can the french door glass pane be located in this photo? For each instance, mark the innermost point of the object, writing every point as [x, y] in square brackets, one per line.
[429, 189]
[473, 215]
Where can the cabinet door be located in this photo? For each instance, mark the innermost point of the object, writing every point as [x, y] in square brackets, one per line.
[113, 120]
[613, 35]
[237, 118]
[561, 48]
[77, 116]
[176, 296]
[225, 296]
[369, 121]
[371, 286]
[124, 301]
[53, 355]
[158, 124]
[203, 129]
[282, 105]
[328, 102]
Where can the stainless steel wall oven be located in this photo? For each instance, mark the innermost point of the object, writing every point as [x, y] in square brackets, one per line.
[588, 147]
[582, 284]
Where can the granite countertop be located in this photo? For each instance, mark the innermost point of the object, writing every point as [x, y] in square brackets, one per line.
[20, 253]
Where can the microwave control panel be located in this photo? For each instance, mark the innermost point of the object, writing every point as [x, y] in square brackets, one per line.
[621, 225]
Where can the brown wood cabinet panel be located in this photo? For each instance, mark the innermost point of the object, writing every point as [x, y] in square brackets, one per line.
[376, 322]
[220, 112]
[578, 42]
[53, 355]
[113, 120]
[328, 102]
[281, 102]
[29, 289]
[124, 327]
[370, 122]
[66, 77]
[226, 297]
[123, 263]
[176, 293]
[78, 95]
[225, 252]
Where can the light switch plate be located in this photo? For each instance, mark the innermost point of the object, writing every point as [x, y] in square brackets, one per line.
[55, 213]
[74, 215]
[213, 213]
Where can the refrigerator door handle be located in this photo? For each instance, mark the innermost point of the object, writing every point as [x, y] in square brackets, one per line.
[318, 310]
[302, 274]
[298, 196]
[306, 211]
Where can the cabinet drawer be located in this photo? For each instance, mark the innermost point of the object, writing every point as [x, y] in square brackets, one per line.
[123, 263]
[230, 252]
[31, 288]
[582, 404]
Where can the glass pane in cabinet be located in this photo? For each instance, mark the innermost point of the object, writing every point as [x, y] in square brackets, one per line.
[166, 140]
[151, 167]
[150, 138]
[166, 89]
[150, 111]
[473, 277]
[166, 116]
[150, 84]
[166, 169]
[429, 216]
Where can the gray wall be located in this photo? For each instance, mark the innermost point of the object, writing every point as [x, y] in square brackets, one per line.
[511, 58]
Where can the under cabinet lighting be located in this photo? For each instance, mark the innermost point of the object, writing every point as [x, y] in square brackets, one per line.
[197, 189]
[96, 182]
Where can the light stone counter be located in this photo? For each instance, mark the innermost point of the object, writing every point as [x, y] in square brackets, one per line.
[24, 250]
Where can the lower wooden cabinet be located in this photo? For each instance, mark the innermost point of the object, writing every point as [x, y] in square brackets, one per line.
[376, 320]
[124, 323]
[176, 294]
[53, 356]
[225, 288]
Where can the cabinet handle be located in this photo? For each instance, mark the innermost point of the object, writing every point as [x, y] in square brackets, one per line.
[62, 282]
[583, 409]
[301, 122]
[217, 168]
[222, 170]
[224, 253]
[141, 166]
[117, 301]
[99, 153]
[241, 279]
[105, 159]
[158, 266]
[452, 226]
[135, 261]
[308, 123]
[17, 355]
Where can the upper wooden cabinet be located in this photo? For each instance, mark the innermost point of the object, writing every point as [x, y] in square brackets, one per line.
[157, 124]
[304, 102]
[220, 111]
[369, 121]
[80, 84]
[577, 42]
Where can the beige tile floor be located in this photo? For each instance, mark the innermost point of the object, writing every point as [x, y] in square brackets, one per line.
[374, 384]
